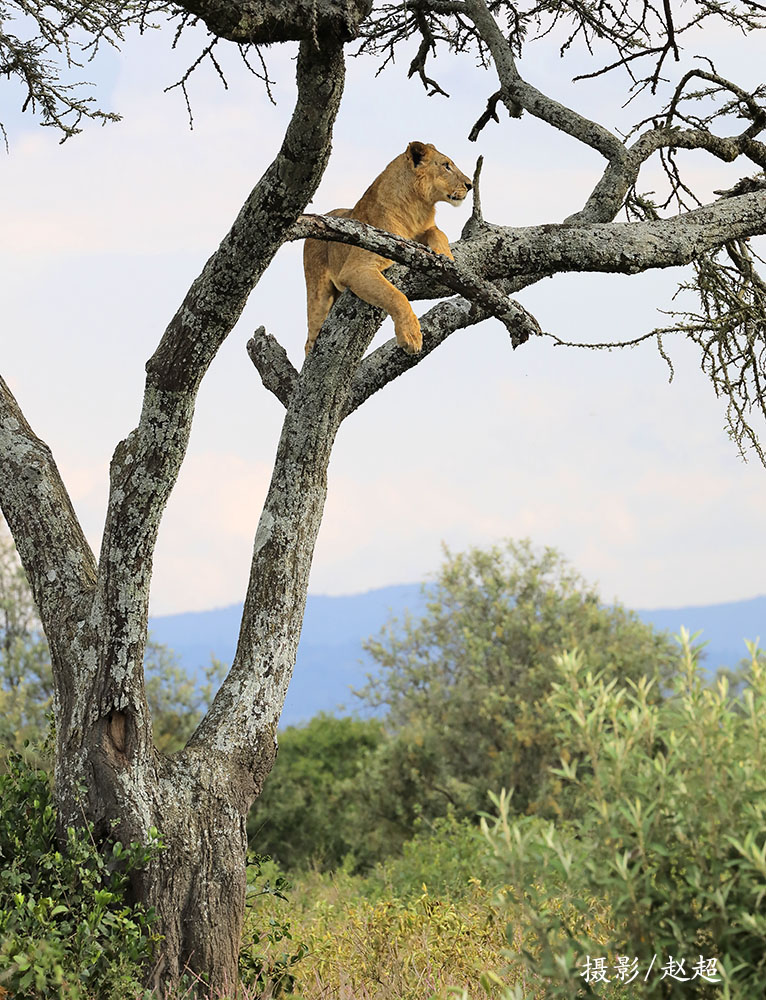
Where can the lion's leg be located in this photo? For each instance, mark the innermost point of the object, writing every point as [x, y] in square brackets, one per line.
[369, 284]
[436, 240]
[319, 301]
[320, 291]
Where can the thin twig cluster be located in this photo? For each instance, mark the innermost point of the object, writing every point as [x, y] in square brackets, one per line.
[730, 329]
[40, 39]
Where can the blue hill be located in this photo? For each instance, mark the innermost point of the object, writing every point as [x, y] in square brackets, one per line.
[331, 661]
[723, 628]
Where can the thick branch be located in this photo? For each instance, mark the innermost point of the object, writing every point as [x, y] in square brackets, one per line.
[434, 268]
[523, 254]
[57, 558]
[515, 258]
[145, 466]
[515, 91]
[246, 709]
[726, 148]
[266, 21]
[625, 248]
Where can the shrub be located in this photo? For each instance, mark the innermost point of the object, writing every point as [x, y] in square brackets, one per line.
[391, 948]
[448, 855]
[308, 814]
[66, 929]
[663, 824]
[268, 955]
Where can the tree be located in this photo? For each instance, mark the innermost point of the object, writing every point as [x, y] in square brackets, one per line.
[94, 612]
[465, 686]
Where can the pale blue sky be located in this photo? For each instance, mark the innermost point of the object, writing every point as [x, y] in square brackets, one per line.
[633, 479]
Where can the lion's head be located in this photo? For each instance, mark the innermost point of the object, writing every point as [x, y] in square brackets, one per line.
[436, 176]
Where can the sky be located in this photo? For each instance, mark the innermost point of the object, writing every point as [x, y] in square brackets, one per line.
[632, 477]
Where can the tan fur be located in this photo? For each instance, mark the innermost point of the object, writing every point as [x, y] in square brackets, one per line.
[401, 201]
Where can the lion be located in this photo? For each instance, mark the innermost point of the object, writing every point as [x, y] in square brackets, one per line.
[400, 201]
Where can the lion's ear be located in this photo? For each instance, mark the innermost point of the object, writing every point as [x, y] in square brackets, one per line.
[416, 151]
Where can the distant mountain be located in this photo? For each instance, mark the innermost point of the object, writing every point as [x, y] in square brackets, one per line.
[331, 660]
[723, 627]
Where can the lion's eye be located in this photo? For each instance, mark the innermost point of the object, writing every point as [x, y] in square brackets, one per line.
[447, 167]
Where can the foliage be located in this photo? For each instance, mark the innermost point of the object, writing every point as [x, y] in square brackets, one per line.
[663, 821]
[39, 38]
[268, 957]
[465, 686]
[66, 927]
[309, 810]
[448, 855]
[391, 947]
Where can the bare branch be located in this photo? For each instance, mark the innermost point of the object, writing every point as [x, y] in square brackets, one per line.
[270, 358]
[489, 114]
[418, 65]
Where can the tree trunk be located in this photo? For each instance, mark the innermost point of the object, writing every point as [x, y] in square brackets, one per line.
[198, 800]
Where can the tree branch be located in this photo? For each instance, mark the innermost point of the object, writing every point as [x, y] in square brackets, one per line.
[268, 21]
[56, 556]
[624, 248]
[273, 364]
[145, 466]
[433, 267]
[515, 91]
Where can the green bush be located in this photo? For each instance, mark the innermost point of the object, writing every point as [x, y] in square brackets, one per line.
[448, 856]
[309, 811]
[268, 955]
[662, 825]
[66, 930]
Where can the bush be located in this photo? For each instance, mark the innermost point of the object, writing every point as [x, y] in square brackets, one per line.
[464, 686]
[390, 948]
[449, 856]
[309, 811]
[66, 929]
[268, 955]
[662, 826]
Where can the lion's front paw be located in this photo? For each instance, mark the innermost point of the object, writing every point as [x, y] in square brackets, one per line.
[408, 335]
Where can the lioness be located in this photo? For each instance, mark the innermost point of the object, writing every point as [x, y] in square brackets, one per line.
[400, 201]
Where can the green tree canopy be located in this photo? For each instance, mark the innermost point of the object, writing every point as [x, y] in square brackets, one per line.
[464, 686]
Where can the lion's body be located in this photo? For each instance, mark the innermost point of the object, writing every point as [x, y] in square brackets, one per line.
[401, 201]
